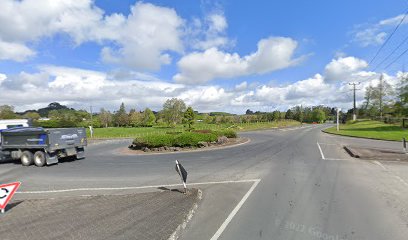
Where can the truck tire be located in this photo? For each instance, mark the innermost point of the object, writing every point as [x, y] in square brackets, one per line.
[39, 159]
[26, 158]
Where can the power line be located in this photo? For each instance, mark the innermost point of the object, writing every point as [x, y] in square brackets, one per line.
[389, 37]
[389, 55]
[396, 59]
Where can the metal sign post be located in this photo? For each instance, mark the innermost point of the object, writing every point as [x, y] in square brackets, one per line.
[183, 174]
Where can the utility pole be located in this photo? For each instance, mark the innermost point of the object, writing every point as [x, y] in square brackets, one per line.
[354, 100]
[380, 86]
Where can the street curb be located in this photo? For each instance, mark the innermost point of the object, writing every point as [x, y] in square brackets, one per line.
[350, 152]
[176, 234]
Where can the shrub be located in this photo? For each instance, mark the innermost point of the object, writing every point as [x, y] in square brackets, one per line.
[229, 133]
[179, 140]
[192, 139]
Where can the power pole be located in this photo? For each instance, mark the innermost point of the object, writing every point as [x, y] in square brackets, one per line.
[354, 100]
[380, 87]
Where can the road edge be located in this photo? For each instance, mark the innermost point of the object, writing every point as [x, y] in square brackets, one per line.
[180, 228]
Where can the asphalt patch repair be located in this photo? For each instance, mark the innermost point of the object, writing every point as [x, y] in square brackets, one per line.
[155, 215]
[376, 153]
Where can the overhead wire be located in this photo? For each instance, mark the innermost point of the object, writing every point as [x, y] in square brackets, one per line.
[389, 37]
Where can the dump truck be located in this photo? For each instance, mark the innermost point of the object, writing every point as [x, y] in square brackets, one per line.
[40, 146]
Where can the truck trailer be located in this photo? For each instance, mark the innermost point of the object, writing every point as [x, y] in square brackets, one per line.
[42, 146]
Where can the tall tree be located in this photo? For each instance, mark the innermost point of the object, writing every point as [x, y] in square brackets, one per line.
[121, 116]
[105, 117]
[189, 117]
[289, 114]
[148, 117]
[7, 112]
[173, 111]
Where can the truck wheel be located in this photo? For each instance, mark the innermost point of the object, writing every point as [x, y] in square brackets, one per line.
[26, 158]
[39, 159]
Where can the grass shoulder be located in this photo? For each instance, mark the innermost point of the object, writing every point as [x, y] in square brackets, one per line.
[370, 129]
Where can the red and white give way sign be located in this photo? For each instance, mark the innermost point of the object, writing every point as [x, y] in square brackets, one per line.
[6, 193]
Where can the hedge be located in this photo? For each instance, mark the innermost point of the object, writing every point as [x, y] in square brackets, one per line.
[180, 140]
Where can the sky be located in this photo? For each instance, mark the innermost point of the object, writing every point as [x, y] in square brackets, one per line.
[220, 55]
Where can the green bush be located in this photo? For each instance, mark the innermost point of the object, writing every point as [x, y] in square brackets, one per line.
[229, 133]
[192, 139]
[180, 140]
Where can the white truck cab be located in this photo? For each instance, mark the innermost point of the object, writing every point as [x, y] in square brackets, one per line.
[12, 123]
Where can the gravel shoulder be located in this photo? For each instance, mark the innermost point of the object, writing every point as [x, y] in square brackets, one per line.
[154, 215]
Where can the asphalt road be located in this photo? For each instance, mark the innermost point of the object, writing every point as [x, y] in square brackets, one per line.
[309, 187]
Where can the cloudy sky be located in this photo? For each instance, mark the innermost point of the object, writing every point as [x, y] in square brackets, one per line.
[220, 55]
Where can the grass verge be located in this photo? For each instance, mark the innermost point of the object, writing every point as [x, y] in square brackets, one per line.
[129, 132]
[371, 129]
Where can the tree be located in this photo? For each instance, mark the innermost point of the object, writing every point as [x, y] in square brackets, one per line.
[136, 118]
[121, 116]
[105, 117]
[318, 115]
[7, 112]
[32, 115]
[148, 117]
[189, 117]
[276, 115]
[289, 114]
[173, 111]
[249, 112]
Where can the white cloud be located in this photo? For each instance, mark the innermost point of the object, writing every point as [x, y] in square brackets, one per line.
[375, 34]
[15, 51]
[140, 40]
[144, 37]
[272, 54]
[242, 86]
[341, 69]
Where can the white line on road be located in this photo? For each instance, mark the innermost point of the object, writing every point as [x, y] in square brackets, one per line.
[395, 175]
[133, 188]
[402, 180]
[234, 212]
[380, 164]
[321, 152]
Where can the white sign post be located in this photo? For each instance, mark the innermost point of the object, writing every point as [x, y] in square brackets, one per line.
[338, 111]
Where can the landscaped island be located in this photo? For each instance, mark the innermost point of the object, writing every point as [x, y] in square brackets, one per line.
[177, 141]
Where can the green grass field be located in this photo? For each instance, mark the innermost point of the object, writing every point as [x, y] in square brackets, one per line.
[371, 129]
[122, 132]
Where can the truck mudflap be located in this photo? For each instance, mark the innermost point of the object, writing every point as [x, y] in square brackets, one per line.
[80, 154]
[51, 158]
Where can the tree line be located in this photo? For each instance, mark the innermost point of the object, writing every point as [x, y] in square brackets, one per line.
[174, 112]
[385, 101]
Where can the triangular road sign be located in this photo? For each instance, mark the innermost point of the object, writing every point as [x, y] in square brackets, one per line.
[6, 193]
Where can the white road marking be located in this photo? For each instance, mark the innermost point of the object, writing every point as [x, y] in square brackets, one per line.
[132, 188]
[320, 149]
[380, 164]
[338, 159]
[395, 175]
[234, 212]
[402, 180]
